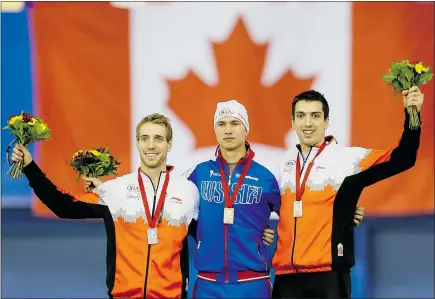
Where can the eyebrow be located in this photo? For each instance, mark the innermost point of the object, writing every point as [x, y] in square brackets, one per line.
[149, 136]
[301, 112]
[228, 121]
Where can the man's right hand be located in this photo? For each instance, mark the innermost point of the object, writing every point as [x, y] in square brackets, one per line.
[91, 183]
[21, 153]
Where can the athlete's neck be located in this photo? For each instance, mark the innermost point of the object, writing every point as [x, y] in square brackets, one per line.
[305, 148]
[234, 155]
[153, 173]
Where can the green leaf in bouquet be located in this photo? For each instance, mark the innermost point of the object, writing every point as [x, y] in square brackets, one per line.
[395, 68]
[85, 170]
[404, 82]
[388, 78]
[99, 172]
[40, 128]
[425, 77]
[105, 162]
[407, 72]
[7, 127]
[406, 63]
[397, 85]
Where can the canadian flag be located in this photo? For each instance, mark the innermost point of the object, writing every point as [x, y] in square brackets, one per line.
[101, 67]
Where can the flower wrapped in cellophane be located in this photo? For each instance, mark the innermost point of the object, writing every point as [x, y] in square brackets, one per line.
[26, 129]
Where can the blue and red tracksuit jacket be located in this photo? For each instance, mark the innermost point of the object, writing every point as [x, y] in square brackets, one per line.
[228, 249]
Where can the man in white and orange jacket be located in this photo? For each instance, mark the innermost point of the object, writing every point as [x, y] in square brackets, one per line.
[321, 182]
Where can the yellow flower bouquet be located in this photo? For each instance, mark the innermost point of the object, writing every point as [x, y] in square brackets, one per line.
[94, 163]
[404, 75]
[27, 129]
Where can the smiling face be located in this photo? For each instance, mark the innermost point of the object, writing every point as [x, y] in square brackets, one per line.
[153, 145]
[310, 123]
[230, 133]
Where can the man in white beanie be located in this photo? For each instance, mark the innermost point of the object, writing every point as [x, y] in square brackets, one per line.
[237, 196]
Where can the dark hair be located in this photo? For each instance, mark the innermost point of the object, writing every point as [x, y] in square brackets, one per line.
[311, 95]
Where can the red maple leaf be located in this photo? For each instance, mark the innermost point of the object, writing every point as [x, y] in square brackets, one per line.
[240, 65]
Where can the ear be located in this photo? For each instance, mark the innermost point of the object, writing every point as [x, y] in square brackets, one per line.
[327, 123]
[293, 123]
[169, 146]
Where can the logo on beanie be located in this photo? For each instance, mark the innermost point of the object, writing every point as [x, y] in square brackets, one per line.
[226, 111]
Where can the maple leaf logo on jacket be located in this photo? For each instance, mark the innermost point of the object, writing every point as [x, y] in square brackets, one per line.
[240, 64]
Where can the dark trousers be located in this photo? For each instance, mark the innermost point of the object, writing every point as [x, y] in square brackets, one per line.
[332, 284]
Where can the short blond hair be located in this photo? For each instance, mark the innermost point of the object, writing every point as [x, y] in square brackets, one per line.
[158, 119]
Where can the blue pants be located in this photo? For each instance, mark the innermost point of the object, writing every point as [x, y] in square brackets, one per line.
[251, 289]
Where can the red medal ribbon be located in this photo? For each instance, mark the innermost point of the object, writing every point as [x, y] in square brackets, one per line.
[152, 221]
[301, 188]
[229, 202]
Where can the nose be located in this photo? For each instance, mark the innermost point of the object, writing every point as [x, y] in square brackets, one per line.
[228, 129]
[307, 121]
[151, 144]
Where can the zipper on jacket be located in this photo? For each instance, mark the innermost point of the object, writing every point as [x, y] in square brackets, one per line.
[230, 175]
[226, 232]
[149, 246]
[296, 219]
[259, 253]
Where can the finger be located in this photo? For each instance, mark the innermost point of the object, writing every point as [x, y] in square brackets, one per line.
[360, 209]
[270, 231]
[414, 89]
[413, 103]
[17, 152]
[268, 241]
[21, 147]
[405, 92]
[356, 222]
[16, 158]
[414, 95]
[358, 217]
[270, 236]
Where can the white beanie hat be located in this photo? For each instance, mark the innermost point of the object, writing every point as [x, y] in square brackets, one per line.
[231, 109]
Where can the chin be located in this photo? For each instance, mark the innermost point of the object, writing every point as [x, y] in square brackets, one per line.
[152, 164]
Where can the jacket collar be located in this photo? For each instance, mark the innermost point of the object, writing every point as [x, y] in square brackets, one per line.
[249, 152]
[329, 139]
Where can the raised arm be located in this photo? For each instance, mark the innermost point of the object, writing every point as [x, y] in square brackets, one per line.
[61, 203]
[404, 156]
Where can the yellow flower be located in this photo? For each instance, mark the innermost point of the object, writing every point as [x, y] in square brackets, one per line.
[32, 122]
[95, 153]
[419, 67]
[43, 127]
[77, 153]
[14, 119]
